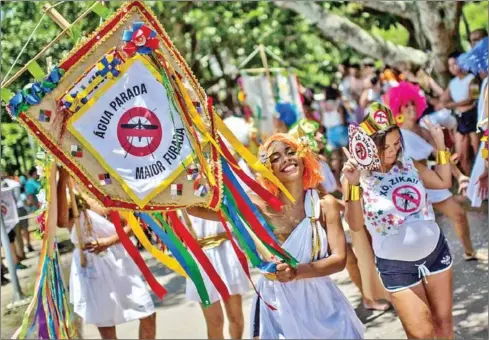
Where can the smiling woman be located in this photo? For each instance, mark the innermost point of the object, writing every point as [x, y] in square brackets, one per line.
[309, 303]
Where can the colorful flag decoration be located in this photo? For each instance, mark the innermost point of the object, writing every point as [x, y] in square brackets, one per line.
[176, 189]
[104, 179]
[44, 116]
[76, 151]
[201, 190]
[192, 172]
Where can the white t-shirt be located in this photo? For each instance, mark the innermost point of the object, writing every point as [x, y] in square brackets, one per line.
[397, 214]
[459, 88]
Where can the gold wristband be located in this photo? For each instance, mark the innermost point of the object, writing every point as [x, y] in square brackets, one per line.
[353, 193]
[443, 157]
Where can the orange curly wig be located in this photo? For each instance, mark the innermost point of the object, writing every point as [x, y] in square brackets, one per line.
[312, 168]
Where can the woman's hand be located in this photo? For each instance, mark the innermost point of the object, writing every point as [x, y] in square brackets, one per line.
[99, 246]
[437, 134]
[350, 169]
[285, 273]
[463, 184]
[483, 185]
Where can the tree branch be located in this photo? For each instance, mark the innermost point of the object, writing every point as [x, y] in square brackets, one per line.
[341, 30]
[402, 9]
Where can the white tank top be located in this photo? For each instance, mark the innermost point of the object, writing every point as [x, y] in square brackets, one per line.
[397, 214]
[459, 88]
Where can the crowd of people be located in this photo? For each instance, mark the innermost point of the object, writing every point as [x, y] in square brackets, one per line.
[378, 224]
[25, 190]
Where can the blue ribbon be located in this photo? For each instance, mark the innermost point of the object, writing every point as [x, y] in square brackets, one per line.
[164, 238]
[227, 171]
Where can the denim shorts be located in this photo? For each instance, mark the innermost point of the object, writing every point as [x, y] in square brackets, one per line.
[399, 275]
[467, 121]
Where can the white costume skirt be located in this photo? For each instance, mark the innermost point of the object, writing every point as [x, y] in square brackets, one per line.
[437, 196]
[109, 290]
[227, 265]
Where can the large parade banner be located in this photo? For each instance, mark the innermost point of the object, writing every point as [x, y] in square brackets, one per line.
[124, 114]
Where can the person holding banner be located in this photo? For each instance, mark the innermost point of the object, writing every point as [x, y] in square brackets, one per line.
[411, 250]
[108, 290]
[309, 304]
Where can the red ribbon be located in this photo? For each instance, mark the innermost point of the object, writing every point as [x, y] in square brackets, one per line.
[242, 259]
[157, 288]
[251, 218]
[272, 200]
[199, 254]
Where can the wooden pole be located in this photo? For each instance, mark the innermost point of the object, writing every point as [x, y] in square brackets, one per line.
[76, 216]
[55, 40]
[56, 17]
[264, 61]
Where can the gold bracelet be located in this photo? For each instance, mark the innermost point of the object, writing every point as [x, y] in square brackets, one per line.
[353, 193]
[443, 157]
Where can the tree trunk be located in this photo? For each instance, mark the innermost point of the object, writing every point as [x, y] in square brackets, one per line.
[343, 31]
[439, 22]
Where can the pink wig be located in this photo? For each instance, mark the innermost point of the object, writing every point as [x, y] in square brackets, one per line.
[404, 93]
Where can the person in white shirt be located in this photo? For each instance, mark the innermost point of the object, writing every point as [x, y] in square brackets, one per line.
[412, 254]
[460, 96]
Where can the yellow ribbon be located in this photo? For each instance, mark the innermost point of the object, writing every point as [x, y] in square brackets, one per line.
[252, 161]
[193, 112]
[166, 260]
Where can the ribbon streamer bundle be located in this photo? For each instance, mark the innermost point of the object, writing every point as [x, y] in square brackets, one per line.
[126, 117]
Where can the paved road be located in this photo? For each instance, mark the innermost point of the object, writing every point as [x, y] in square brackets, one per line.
[180, 319]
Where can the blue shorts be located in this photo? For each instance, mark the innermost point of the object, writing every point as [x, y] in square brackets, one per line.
[337, 136]
[399, 275]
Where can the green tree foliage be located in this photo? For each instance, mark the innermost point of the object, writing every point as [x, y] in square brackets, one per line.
[214, 38]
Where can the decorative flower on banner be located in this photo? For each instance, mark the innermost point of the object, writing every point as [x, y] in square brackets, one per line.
[32, 94]
[141, 39]
[108, 66]
[75, 100]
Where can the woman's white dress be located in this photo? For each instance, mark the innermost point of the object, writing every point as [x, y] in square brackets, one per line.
[109, 290]
[419, 149]
[224, 260]
[312, 308]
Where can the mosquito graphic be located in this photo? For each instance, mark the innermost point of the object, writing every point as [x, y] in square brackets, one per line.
[138, 129]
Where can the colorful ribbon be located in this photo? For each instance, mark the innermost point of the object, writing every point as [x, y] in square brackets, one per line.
[199, 254]
[166, 260]
[242, 259]
[190, 263]
[254, 217]
[157, 288]
[141, 39]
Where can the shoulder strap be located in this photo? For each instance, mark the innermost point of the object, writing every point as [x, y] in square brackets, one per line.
[312, 204]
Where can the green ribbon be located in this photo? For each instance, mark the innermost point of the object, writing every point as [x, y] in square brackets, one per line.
[291, 260]
[101, 10]
[36, 70]
[194, 274]
[6, 94]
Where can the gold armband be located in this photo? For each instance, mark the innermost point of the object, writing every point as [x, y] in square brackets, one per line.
[353, 193]
[443, 157]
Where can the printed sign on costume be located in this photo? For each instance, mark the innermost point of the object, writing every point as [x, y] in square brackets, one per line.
[135, 131]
